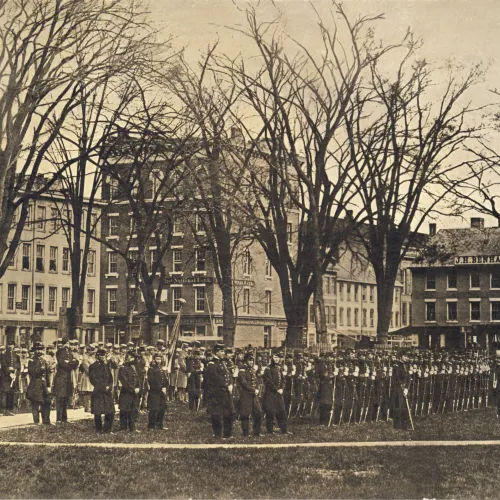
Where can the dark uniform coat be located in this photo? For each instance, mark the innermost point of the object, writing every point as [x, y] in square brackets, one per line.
[101, 378]
[249, 403]
[217, 379]
[10, 363]
[273, 401]
[129, 380]
[39, 373]
[63, 381]
[157, 380]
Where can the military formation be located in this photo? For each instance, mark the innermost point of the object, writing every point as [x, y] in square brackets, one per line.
[246, 385]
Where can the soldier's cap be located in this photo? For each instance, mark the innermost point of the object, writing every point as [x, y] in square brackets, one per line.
[101, 352]
[82, 346]
[100, 342]
[94, 345]
[109, 345]
[73, 341]
[219, 347]
[130, 344]
[150, 348]
[17, 349]
[24, 349]
[249, 356]
[160, 341]
[141, 349]
[123, 346]
[497, 353]
[116, 346]
[196, 343]
[91, 347]
[196, 352]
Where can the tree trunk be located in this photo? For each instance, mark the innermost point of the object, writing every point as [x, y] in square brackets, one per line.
[228, 319]
[385, 297]
[151, 332]
[296, 322]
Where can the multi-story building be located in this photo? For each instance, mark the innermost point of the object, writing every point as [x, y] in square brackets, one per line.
[35, 291]
[456, 288]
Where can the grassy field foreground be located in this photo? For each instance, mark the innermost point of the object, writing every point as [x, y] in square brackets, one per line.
[257, 473]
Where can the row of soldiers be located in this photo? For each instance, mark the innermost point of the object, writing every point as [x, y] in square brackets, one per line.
[338, 387]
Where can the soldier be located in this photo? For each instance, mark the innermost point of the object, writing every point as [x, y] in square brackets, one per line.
[218, 380]
[63, 380]
[157, 396]
[39, 387]
[249, 404]
[117, 361]
[324, 374]
[273, 403]
[85, 385]
[195, 380]
[128, 401]
[9, 362]
[102, 395]
[401, 380]
[141, 366]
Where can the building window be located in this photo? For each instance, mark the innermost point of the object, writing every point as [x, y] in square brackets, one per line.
[341, 316]
[52, 299]
[247, 262]
[269, 269]
[53, 259]
[39, 298]
[312, 316]
[64, 298]
[54, 215]
[113, 188]
[452, 279]
[289, 232]
[365, 315]
[327, 315]
[495, 311]
[405, 313]
[334, 315]
[90, 302]
[348, 292]
[199, 298]
[177, 261]
[356, 317]
[201, 331]
[65, 260]
[200, 264]
[474, 279]
[396, 317]
[91, 263]
[452, 311]
[356, 292]
[495, 279]
[26, 264]
[268, 302]
[176, 298]
[267, 337]
[29, 217]
[112, 300]
[341, 291]
[112, 263]
[40, 257]
[112, 226]
[246, 301]
[372, 293]
[475, 311]
[348, 316]
[372, 318]
[153, 258]
[363, 294]
[177, 225]
[430, 281]
[198, 224]
[25, 297]
[11, 297]
[430, 311]
[41, 218]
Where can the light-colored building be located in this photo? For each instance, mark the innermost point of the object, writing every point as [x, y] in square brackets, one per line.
[36, 288]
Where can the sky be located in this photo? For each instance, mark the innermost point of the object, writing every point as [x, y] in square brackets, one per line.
[466, 31]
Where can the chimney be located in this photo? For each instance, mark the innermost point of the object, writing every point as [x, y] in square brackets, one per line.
[432, 229]
[349, 214]
[477, 222]
[236, 132]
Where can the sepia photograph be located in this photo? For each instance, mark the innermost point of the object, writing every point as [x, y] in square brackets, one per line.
[249, 249]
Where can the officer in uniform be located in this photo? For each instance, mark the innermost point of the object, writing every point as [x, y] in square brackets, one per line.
[157, 395]
[273, 403]
[102, 395]
[249, 404]
[63, 380]
[218, 387]
[39, 387]
[128, 401]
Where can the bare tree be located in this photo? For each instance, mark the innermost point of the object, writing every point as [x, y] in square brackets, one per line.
[299, 183]
[408, 150]
[51, 53]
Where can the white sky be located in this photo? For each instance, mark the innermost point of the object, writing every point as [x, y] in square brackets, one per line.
[465, 30]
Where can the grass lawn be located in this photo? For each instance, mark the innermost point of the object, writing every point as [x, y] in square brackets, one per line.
[470, 472]
[186, 427]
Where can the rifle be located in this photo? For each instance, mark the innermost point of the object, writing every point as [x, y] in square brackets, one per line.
[368, 404]
[431, 391]
[363, 390]
[409, 413]
[341, 416]
[389, 391]
[354, 398]
[379, 402]
[445, 397]
[333, 397]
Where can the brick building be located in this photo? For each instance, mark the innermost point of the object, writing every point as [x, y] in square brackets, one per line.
[456, 288]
